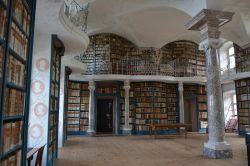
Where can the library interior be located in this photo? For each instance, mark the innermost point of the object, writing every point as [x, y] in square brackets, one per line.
[124, 82]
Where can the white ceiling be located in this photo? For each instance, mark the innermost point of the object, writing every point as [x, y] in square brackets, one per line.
[154, 23]
[147, 23]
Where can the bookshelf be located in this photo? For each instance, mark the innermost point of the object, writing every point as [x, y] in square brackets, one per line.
[198, 92]
[155, 102]
[202, 108]
[16, 42]
[68, 71]
[242, 59]
[57, 50]
[243, 104]
[78, 108]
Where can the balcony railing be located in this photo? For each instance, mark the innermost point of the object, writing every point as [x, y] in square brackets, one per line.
[136, 66]
[77, 13]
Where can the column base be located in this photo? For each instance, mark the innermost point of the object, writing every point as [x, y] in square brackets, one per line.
[217, 150]
[126, 131]
[91, 132]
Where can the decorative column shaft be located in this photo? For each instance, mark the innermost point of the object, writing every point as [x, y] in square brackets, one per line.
[126, 128]
[91, 129]
[208, 23]
[181, 103]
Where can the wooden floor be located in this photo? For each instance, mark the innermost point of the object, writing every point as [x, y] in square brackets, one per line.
[143, 151]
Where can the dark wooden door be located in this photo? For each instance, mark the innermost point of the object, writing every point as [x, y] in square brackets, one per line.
[105, 115]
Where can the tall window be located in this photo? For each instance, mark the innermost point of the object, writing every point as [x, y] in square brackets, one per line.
[231, 57]
[227, 58]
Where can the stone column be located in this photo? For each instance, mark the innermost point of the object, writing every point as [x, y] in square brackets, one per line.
[91, 129]
[208, 23]
[181, 103]
[126, 128]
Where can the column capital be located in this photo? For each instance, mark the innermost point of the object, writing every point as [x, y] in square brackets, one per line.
[208, 22]
[126, 85]
[180, 86]
[91, 85]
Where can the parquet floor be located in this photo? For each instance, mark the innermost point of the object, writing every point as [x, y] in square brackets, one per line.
[144, 151]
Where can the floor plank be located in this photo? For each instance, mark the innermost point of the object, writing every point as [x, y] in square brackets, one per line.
[143, 151]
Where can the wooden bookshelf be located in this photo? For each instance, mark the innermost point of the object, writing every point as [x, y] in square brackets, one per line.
[68, 71]
[242, 59]
[243, 105]
[78, 108]
[202, 108]
[57, 52]
[16, 40]
[155, 102]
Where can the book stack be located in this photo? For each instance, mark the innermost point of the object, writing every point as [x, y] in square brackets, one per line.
[18, 41]
[12, 135]
[3, 14]
[16, 72]
[14, 103]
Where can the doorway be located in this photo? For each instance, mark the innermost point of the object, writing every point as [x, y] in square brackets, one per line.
[191, 113]
[105, 122]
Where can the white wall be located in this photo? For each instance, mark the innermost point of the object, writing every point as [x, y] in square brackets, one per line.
[39, 97]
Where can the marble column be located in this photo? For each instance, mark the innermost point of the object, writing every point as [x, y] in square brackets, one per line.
[126, 129]
[91, 130]
[181, 103]
[208, 23]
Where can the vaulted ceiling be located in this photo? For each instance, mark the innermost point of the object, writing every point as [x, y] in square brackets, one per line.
[155, 23]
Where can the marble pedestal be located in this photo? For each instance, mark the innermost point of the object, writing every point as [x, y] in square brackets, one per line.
[217, 150]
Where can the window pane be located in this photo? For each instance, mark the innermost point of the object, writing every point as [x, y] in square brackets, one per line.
[231, 51]
[232, 62]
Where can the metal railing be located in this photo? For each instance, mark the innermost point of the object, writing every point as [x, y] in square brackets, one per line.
[137, 66]
[77, 13]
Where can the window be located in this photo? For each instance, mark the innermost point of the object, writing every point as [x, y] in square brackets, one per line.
[231, 57]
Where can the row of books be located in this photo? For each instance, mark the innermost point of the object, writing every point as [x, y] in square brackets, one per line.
[54, 104]
[74, 93]
[202, 98]
[241, 83]
[131, 113]
[131, 120]
[74, 114]
[150, 121]
[16, 71]
[82, 86]
[202, 106]
[151, 116]
[106, 90]
[52, 134]
[245, 128]
[203, 115]
[54, 89]
[243, 90]
[73, 99]
[3, 15]
[73, 121]
[82, 107]
[84, 121]
[243, 104]
[18, 42]
[74, 128]
[243, 97]
[12, 135]
[21, 15]
[152, 110]
[155, 104]
[55, 73]
[13, 160]
[131, 106]
[244, 120]
[14, 103]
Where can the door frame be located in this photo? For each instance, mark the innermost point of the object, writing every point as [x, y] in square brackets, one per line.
[114, 110]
